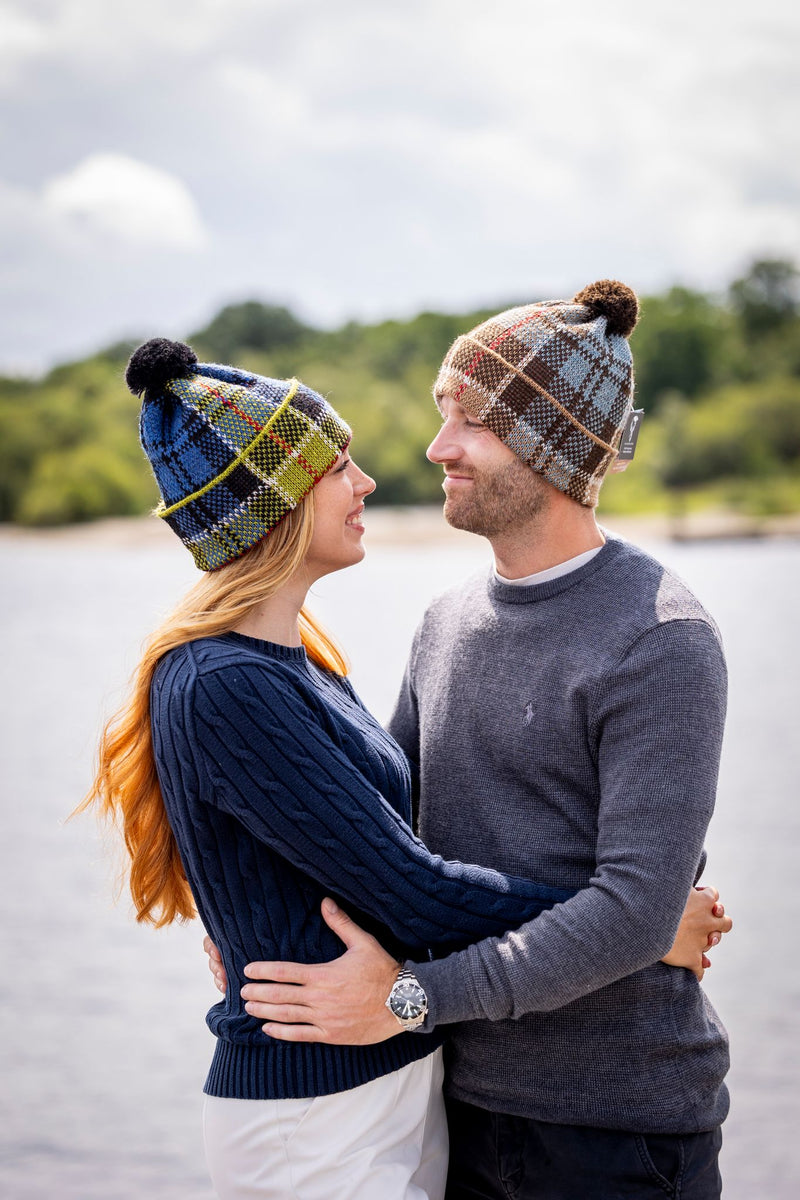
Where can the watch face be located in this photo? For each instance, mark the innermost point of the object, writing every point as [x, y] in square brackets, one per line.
[408, 1000]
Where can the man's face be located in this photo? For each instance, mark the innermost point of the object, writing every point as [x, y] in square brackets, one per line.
[488, 489]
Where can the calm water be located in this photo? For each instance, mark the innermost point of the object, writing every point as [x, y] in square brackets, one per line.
[104, 1046]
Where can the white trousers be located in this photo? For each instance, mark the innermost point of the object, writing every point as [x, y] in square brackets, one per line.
[385, 1140]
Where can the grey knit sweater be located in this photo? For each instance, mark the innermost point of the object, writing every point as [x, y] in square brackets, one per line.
[571, 731]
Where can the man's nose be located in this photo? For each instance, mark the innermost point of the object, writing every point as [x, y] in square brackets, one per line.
[444, 447]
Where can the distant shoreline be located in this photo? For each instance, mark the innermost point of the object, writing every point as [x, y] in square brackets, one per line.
[425, 525]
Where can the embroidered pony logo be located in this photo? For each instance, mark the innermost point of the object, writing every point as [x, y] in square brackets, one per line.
[526, 720]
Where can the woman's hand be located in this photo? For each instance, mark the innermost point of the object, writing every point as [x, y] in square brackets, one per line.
[215, 964]
[702, 926]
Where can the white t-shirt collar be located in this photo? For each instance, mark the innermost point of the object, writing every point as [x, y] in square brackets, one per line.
[556, 572]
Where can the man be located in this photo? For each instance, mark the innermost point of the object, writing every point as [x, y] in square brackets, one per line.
[567, 715]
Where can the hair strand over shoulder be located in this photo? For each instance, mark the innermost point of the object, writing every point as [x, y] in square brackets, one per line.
[125, 788]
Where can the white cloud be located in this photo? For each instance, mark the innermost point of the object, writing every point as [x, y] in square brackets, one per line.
[19, 35]
[365, 160]
[116, 196]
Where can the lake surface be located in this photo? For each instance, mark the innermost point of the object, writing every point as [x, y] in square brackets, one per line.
[104, 1043]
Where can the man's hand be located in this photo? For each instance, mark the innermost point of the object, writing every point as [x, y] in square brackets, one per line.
[702, 926]
[341, 1002]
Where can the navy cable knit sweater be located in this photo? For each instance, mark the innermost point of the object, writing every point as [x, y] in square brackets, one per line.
[282, 788]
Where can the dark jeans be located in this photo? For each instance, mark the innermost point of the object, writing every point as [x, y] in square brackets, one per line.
[498, 1157]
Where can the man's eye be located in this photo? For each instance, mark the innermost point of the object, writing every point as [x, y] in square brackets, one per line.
[474, 424]
[343, 467]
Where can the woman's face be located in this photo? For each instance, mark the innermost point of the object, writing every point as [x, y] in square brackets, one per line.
[338, 518]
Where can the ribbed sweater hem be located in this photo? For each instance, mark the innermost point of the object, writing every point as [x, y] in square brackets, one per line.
[291, 1070]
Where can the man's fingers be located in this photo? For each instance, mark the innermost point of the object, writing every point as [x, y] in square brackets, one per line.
[277, 993]
[286, 1014]
[343, 926]
[294, 1033]
[280, 972]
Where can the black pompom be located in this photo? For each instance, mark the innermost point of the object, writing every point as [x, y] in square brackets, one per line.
[613, 300]
[156, 362]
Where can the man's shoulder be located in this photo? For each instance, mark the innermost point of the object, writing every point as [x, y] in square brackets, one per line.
[621, 594]
[464, 595]
[649, 593]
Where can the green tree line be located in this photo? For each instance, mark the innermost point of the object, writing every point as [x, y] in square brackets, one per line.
[718, 378]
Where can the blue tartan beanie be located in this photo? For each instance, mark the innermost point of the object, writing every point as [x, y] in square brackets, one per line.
[232, 452]
[554, 381]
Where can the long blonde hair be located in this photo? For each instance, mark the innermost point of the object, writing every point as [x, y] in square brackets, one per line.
[125, 787]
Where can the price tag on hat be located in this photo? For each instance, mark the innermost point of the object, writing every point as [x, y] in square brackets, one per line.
[630, 436]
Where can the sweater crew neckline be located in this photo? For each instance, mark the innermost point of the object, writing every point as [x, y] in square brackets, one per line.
[511, 593]
[271, 649]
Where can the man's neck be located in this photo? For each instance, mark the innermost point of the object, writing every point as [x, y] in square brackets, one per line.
[560, 532]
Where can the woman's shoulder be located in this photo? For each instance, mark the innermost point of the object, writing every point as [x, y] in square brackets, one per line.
[175, 669]
[242, 660]
[229, 660]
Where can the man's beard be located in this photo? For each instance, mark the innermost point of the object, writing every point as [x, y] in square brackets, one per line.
[498, 500]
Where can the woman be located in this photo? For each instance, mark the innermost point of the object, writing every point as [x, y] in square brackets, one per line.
[250, 782]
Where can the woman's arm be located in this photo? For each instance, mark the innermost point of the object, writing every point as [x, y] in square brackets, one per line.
[274, 766]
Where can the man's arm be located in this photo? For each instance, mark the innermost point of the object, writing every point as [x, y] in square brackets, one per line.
[659, 738]
[344, 1002]
[657, 723]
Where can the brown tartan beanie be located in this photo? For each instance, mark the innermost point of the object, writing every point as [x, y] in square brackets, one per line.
[554, 381]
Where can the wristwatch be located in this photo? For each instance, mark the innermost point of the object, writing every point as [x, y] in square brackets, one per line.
[407, 1000]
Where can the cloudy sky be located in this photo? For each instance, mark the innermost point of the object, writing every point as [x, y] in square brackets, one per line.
[361, 159]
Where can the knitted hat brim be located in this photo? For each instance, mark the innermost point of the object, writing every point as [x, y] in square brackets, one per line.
[543, 381]
[251, 460]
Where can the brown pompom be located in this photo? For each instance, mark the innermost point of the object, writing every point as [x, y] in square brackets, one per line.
[613, 300]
